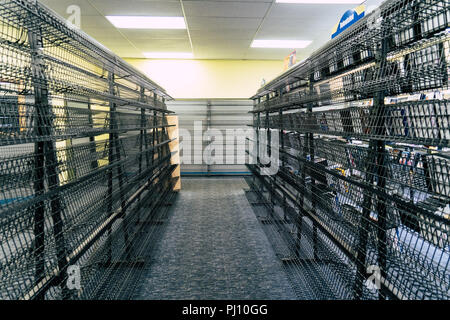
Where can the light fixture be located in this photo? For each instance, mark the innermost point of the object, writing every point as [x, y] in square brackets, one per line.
[145, 22]
[169, 55]
[322, 1]
[287, 44]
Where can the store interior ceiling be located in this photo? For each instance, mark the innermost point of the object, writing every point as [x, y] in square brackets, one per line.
[220, 29]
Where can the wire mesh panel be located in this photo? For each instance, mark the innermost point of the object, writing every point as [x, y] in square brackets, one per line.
[84, 158]
[361, 199]
[205, 117]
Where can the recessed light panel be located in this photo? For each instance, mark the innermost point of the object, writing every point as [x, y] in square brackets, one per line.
[321, 1]
[144, 22]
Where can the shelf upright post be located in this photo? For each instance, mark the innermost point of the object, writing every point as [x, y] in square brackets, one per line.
[164, 133]
[155, 124]
[381, 172]
[311, 152]
[208, 126]
[301, 157]
[281, 147]
[94, 163]
[280, 121]
[364, 225]
[426, 172]
[375, 171]
[301, 197]
[156, 136]
[114, 155]
[143, 145]
[143, 133]
[46, 163]
[158, 139]
[258, 128]
[269, 152]
[111, 159]
[269, 132]
[39, 173]
[115, 135]
[164, 150]
[256, 123]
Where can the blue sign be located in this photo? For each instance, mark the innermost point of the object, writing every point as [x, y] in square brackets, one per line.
[348, 19]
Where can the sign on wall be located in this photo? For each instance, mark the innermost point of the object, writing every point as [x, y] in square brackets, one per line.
[349, 18]
[290, 60]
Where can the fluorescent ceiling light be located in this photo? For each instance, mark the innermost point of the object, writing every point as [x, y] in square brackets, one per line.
[322, 1]
[288, 44]
[169, 55]
[144, 22]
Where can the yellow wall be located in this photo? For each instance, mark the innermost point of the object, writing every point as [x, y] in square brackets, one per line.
[219, 79]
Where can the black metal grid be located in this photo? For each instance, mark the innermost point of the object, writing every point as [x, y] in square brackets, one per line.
[363, 179]
[417, 122]
[84, 158]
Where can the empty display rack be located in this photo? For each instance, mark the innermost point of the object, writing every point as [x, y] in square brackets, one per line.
[361, 199]
[85, 162]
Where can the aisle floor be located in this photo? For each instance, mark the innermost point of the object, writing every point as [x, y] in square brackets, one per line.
[214, 248]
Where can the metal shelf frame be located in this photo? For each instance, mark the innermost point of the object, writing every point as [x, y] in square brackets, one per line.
[363, 179]
[85, 160]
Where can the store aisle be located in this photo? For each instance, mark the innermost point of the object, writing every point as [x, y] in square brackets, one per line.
[214, 248]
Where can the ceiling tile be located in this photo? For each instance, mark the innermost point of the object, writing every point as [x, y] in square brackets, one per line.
[217, 48]
[218, 54]
[221, 23]
[238, 34]
[267, 1]
[222, 43]
[308, 11]
[220, 29]
[272, 31]
[60, 6]
[274, 54]
[166, 45]
[226, 9]
[138, 7]
[110, 34]
[129, 52]
[299, 25]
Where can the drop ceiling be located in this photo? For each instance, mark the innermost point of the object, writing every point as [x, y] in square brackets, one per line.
[216, 29]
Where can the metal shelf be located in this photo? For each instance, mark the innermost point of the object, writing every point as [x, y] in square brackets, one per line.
[84, 148]
[363, 173]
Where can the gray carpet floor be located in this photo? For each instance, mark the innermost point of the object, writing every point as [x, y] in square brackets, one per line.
[214, 248]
